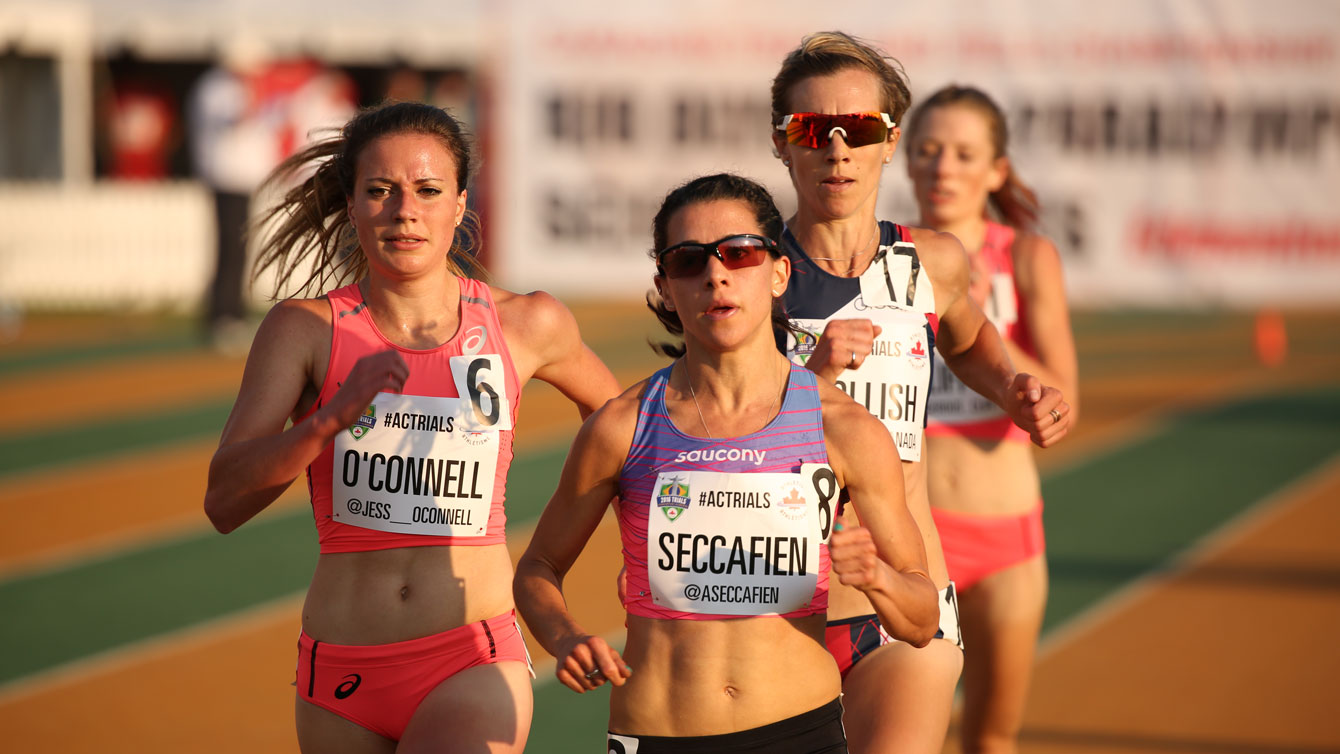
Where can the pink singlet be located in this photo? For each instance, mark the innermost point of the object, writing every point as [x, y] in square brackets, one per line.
[427, 466]
[976, 546]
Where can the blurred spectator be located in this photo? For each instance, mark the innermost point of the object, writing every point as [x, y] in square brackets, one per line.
[142, 130]
[246, 115]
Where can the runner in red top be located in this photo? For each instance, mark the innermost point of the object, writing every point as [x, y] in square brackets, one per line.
[402, 387]
[983, 481]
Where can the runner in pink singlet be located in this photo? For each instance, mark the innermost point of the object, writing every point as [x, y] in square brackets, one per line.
[402, 387]
[984, 489]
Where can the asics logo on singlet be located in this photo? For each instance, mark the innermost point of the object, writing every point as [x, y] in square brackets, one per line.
[474, 340]
[722, 454]
[346, 689]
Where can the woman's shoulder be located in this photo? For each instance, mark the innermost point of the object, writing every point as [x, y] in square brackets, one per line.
[941, 254]
[611, 426]
[1036, 259]
[538, 309]
[299, 317]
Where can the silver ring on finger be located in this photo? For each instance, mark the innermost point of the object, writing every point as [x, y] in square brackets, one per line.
[592, 675]
[852, 364]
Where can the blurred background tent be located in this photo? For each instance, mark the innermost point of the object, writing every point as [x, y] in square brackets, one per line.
[1186, 153]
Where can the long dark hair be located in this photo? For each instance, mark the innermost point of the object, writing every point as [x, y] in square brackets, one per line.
[1015, 203]
[710, 188]
[312, 217]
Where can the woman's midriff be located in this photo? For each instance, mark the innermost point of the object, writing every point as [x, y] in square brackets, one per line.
[385, 596]
[982, 477]
[848, 602]
[708, 677]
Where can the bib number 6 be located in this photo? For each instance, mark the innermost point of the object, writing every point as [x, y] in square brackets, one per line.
[480, 390]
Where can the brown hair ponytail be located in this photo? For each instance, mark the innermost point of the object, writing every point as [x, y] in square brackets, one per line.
[1015, 202]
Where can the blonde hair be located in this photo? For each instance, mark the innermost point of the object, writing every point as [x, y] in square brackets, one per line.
[828, 52]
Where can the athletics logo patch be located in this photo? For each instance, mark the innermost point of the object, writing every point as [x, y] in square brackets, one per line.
[917, 355]
[365, 422]
[674, 498]
[792, 503]
[805, 343]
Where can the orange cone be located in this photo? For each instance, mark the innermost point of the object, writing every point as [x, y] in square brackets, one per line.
[1271, 340]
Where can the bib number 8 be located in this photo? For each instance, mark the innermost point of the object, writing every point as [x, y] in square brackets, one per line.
[826, 487]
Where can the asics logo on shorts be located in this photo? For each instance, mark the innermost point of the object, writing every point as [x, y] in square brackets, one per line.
[346, 689]
[709, 455]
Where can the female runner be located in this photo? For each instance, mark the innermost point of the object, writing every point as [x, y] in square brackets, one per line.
[402, 388]
[873, 299]
[727, 467]
[983, 482]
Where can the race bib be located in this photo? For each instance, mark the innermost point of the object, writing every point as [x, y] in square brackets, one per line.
[893, 383]
[425, 465]
[894, 280]
[953, 402]
[738, 544]
[1001, 304]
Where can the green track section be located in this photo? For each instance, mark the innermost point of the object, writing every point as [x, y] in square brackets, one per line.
[1129, 512]
[38, 450]
[173, 340]
[97, 606]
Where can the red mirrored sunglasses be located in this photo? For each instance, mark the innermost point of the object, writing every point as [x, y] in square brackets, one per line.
[688, 259]
[815, 130]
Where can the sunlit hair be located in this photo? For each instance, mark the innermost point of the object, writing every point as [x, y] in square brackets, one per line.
[312, 218]
[712, 188]
[827, 52]
[1015, 203]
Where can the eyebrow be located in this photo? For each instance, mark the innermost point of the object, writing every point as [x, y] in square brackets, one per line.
[382, 179]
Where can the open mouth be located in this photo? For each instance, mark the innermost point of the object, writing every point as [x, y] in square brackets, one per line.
[720, 311]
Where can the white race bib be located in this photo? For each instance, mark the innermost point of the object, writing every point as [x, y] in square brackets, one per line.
[738, 544]
[895, 280]
[893, 382]
[425, 465]
[953, 402]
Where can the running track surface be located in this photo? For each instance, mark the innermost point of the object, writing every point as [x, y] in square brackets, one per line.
[1191, 522]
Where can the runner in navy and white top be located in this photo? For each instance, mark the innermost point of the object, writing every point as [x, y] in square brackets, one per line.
[883, 296]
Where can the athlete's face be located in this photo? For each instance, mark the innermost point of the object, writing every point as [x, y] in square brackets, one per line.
[722, 308]
[836, 181]
[953, 165]
[405, 207]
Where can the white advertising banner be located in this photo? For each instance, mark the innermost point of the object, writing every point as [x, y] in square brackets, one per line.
[1186, 153]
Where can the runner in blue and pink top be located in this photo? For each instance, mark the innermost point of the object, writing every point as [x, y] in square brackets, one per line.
[729, 469]
[761, 556]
